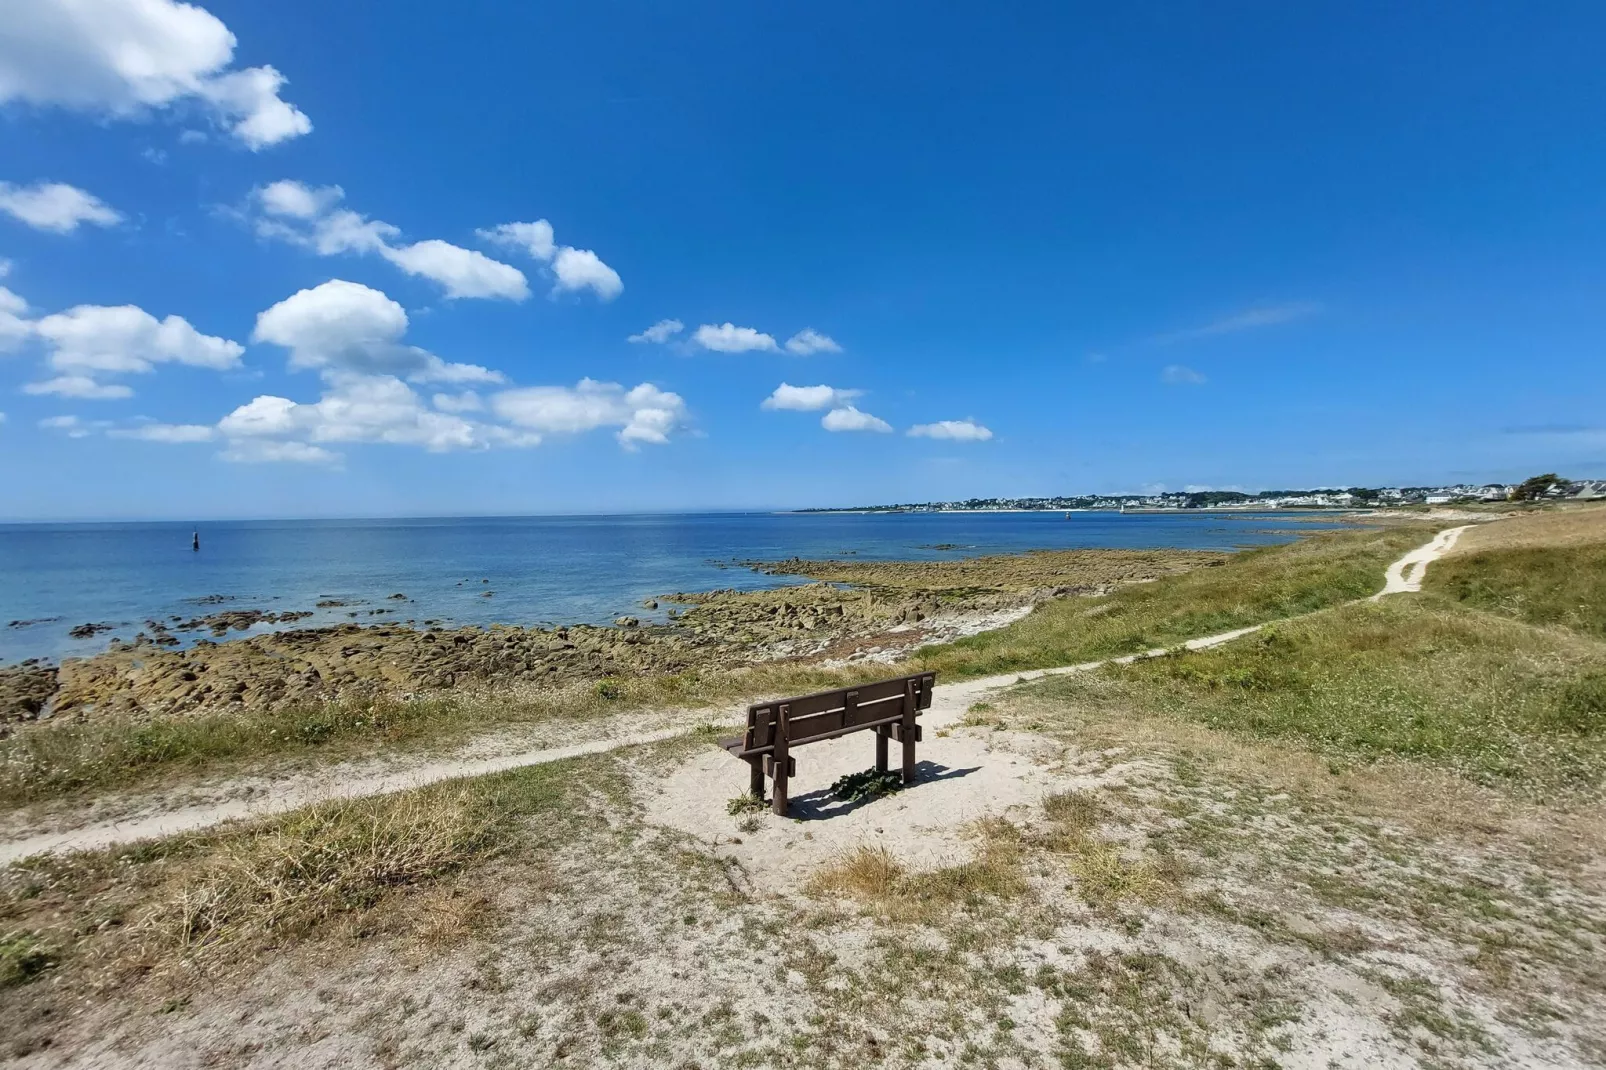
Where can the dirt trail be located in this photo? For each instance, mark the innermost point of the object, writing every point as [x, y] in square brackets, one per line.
[949, 702]
[1405, 575]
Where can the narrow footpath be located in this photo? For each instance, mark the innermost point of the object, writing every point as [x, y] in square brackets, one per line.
[949, 702]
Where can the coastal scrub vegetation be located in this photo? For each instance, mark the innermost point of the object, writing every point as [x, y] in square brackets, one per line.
[1251, 587]
[357, 866]
[1227, 591]
[1563, 586]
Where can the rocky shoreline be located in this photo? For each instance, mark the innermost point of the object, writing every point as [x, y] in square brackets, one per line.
[853, 608]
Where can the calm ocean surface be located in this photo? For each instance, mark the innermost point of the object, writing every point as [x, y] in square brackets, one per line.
[543, 570]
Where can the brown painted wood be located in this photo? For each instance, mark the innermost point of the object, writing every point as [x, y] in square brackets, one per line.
[907, 729]
[782, 760]
[886, 707]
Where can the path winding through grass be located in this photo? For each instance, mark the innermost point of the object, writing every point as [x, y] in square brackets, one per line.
[950, 701]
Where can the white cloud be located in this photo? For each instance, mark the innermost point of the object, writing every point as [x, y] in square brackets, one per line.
[251, 98]
[658, 333]
[15, 327]
[72, 426]
[1181, 375]
[296, 200]
[55, 206]
[572, 269]
[581, 269]
[368, 408]
[306, 216]
[642, 414]
[124, 58]
[254, 451]
[79, 386]
[173, 433]
[952, 430]
[467, 401]
[1260, 316]
[808, 340]
[729, 338]
[808, 398]
[532, 239]
[849, 418]
[463, 272]
[346, 327]
[126, 338]
[88, 343]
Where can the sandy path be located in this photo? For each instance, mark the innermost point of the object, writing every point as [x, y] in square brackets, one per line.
[949, 701]
[1405, 575]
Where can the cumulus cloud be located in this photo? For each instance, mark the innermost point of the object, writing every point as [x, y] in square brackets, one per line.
[308, 216]
[953, 431]
[90, 342]
[809, 398]
[346, 327]
[353, 337]
[55, 206]
[463, 272]
[582, 269]
[808, 341]
[642, 414]
[128, 58]
[658, 333]
[15, 326]
[572, 269]
[729, 338]
[849, 418]
[298, 201]
[368, 408]
[1181, 375]
[535, 240]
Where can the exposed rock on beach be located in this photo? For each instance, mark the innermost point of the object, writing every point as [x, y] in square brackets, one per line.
[883, 606]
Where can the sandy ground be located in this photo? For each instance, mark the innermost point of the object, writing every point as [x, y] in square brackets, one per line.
[1334, 929]
[1405, 575]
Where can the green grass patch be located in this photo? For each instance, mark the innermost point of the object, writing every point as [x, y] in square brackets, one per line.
[1554, 586]
[1416, 678]
[54, 760]
[1249, 588]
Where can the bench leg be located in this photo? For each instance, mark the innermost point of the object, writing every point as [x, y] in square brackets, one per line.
[755, 780]
[781, 759]
[881, 748]
[908, 733]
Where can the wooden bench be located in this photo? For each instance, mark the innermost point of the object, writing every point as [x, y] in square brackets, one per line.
[887, 707]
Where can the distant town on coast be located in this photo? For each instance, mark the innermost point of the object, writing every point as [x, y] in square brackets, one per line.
[1543, 487]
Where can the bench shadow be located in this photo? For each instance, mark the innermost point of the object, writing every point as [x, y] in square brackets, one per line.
[820, 805]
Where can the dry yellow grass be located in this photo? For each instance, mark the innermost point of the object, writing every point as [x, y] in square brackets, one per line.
[1563, 526]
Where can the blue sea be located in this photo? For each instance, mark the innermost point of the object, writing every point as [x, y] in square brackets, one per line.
[542, 570]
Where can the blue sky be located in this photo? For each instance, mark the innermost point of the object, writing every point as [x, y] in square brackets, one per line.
[1070, 248]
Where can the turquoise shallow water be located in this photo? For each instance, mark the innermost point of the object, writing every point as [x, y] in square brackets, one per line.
[543, 570]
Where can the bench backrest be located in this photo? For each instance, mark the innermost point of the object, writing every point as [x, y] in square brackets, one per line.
[834, 713]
